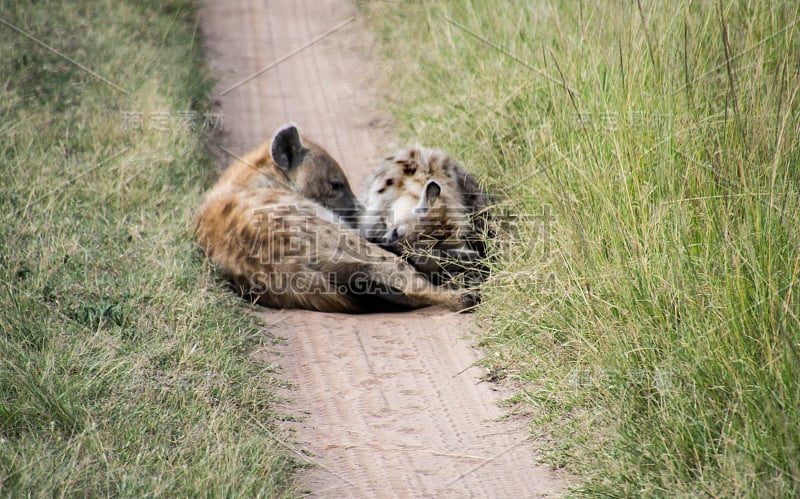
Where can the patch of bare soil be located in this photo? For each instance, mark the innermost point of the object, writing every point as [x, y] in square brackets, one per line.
[388, 405]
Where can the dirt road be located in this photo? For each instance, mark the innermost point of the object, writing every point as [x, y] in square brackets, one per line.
[387, 404]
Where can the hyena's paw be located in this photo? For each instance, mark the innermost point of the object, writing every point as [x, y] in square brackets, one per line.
[470, 298]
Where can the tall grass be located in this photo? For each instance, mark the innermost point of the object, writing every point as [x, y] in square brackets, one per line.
[648, 301]
[124, 369]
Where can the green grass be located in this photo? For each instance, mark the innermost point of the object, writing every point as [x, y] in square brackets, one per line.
[654, 331]
[124, 367]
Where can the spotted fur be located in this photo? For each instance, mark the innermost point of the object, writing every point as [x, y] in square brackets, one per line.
[276, 225]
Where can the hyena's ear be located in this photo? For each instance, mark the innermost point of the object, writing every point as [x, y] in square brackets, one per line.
[430, 193]
[287, 148]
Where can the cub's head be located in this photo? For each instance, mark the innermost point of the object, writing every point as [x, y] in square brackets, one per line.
[394, 188]
[434, 235]
[421, 204]
[313, 173]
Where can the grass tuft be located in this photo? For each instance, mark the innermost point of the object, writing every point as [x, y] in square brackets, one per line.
[645, 294]
[124, 367]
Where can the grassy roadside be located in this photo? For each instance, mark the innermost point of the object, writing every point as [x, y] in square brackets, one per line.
[123, 367]
[648, 303]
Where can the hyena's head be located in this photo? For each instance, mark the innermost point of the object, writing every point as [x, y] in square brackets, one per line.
[313, 173]
[394, 188]
[424, 206]
[435, 234]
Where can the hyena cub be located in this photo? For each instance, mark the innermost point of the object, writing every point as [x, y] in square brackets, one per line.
[276, 225]
[421, 204]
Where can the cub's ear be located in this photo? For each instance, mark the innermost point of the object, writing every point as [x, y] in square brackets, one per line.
[287, 148]
[430, 193]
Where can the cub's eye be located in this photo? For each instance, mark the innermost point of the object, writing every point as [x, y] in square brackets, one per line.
[337, 186]
[388, 183]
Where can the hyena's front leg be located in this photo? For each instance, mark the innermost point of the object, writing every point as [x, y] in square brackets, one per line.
[367, 273]
[414, 290]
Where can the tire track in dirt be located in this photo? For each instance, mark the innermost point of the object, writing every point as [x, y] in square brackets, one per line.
[389, 404]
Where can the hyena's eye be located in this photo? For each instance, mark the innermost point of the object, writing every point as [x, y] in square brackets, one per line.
[337, 186]
[387, 184]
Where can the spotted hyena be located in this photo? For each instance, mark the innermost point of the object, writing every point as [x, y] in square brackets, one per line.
[421, 204]
[276, 225]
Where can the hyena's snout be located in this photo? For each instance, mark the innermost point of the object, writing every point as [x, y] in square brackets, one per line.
[351, 214]
[393, 239]
[390, 237]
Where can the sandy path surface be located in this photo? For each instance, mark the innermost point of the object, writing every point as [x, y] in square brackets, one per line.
[388, 405]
